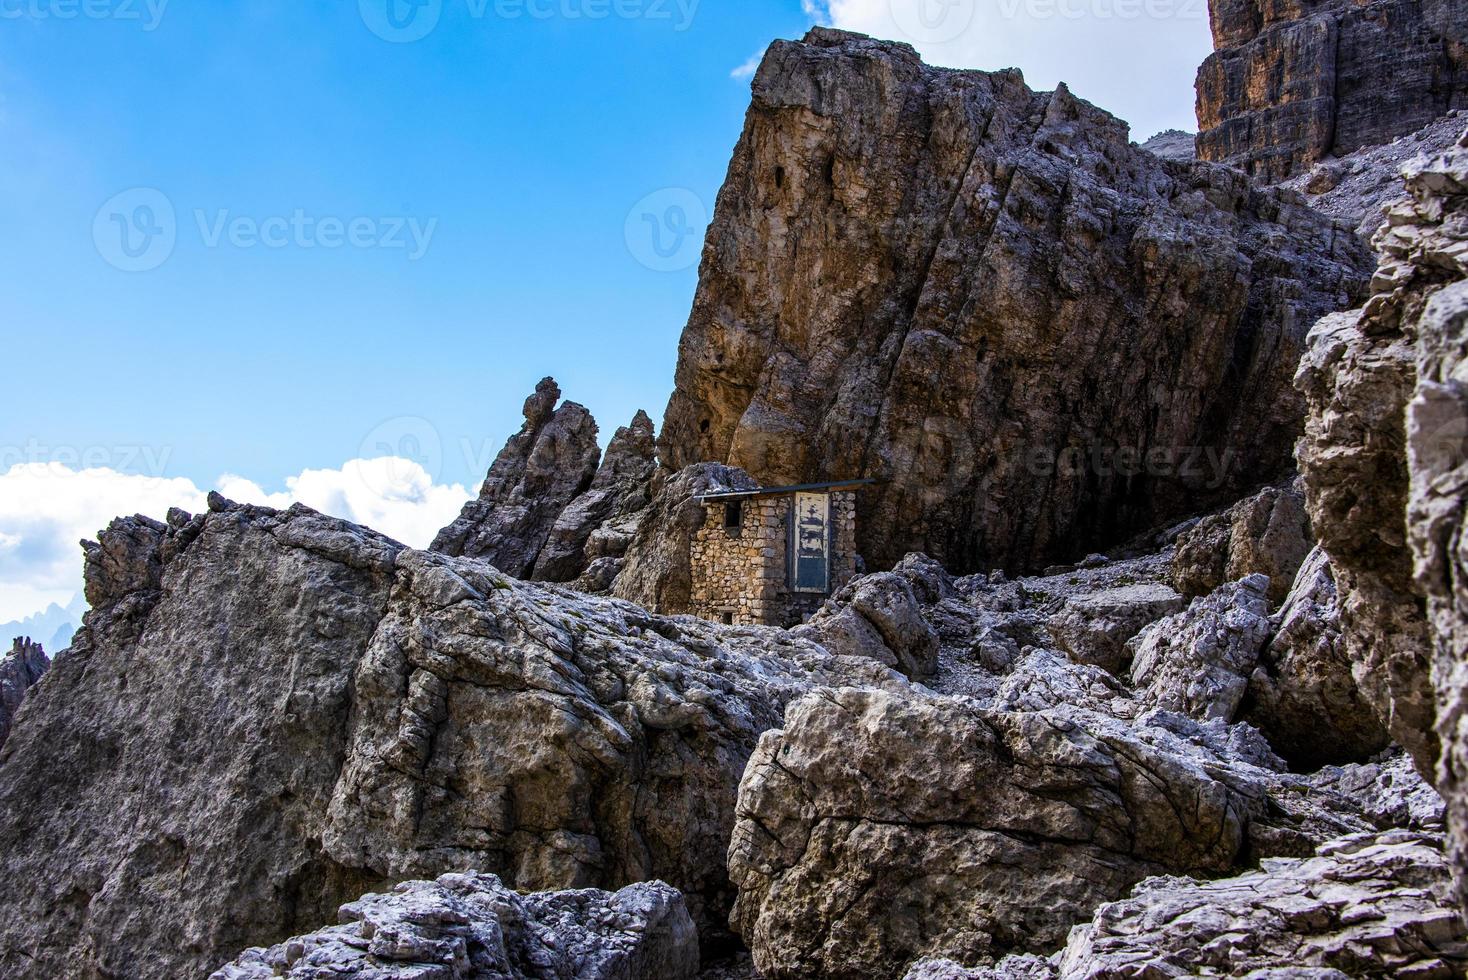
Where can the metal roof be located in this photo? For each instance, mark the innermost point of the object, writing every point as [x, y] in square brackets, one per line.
[716, 498]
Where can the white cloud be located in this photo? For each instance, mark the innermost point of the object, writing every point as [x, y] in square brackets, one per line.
[391, 495]
[1135, 58]
[46, 509]
[748, 69]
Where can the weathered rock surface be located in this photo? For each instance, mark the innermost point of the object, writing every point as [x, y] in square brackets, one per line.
[1172, 144]
[1267, 534]
[878, 617]
[1045, 337]
[1199, 662]
[20, 669]
[1094, 627]
[619, 491]
[1294, 81]
[875, 829]
[546, 465]
[1428, 240]
[162, 801]
[1302, 695]
[1358, 187]
[657, 574]
[557, 743]
[1370, 905]
[1360, 373]
[271, 713]
[471, 927]
[1024, 966]
[1389, 790]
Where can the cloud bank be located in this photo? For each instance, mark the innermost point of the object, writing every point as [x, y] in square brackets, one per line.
[46, 509]
[1135, 58]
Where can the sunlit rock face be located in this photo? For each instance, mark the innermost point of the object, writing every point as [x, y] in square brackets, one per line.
[1293, 81]
[1041, 336]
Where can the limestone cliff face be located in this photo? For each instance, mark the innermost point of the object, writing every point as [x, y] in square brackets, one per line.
[1291, 81]
[1041, 335]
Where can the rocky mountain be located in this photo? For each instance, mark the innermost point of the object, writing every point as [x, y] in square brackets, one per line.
[1292, 82]
[20, 670]
[1358, 187]
[1172, 144]
[552, 503]
[52, 627]
[285, 745]
[268, 714]
[1041, 336]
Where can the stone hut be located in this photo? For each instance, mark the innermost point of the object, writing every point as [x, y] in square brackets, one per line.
[772, 556]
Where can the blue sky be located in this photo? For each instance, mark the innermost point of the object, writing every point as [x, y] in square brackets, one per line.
[378, 246]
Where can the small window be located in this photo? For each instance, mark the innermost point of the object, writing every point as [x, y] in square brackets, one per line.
[728, 618]
[734, 515]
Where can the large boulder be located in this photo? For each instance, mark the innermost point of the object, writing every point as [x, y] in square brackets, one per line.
[1267, 534]
[1368, 905]
[1293, 82]
[547, 464]
[471, 927]
[161, 806]
[1199, 661]
[1094, 627]
[1359, 375]
[877, 616]
[20, 670]
[1302, 696]
[268, 714]
[1043, 337]
[1434, 240]
[877, 828]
